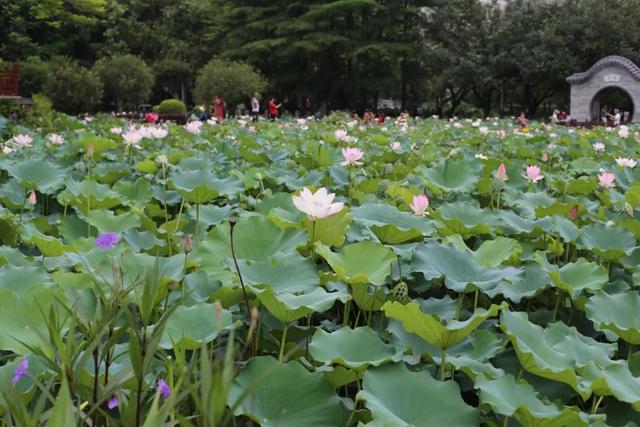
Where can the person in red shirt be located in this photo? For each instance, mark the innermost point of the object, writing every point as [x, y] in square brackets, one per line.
[272, 108]
[380, 118]
[218, 108]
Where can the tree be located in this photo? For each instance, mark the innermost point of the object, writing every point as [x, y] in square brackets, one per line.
[234, 81]
[127, 80]
[72, 88]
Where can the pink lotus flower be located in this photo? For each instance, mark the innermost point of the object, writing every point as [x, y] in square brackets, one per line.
[151, 117]
[252, 129]
[606, 180]
[501, 173]
[352, 156]
[533, 174]
[116, 130]
[625, 162]
[545, 157]
[395, 146]
[598, 146]
[32, 198]
[501, 133]
[302, 122]
[317, 205]
[483, 130]
[340, 134]
[56, 139]
[193, 127]
[23, 140]
[419, 205]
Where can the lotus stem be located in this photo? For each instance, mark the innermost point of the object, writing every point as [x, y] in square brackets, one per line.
[475, 299]
[596, 404]
[505, 422]
[197, 221]
[283, 341]
[313, 240]
[232, 224]
[555, 308]
[443, 360]
[24, 202]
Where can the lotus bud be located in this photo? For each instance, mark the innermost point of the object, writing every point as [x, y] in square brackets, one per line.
[32, 198]
[90, 150]
[187, 243]
[254, 318]
[218, 308]
[573, 213]
[628, 208]
[232, 221]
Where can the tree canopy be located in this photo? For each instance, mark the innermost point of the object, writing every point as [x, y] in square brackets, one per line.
[433, 56]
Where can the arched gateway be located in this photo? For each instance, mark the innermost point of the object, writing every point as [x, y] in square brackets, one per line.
[612, 72]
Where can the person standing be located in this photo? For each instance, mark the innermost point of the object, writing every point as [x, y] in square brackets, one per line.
[255, 107]
[273, 109]
[218, 105]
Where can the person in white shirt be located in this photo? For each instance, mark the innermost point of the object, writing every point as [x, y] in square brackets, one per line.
[617, 117]
[255, 107]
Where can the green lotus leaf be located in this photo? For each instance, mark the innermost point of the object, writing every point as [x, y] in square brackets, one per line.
[530, 283]
[583, 185]
[429, 326]
[196, 186]
[284, 395]
[615, 380]
[514, 224]
[492, 253]
[330, 231]
[395, 397]
[100, 196]
[531, 201]
[610, 243]
[142, 240]
[288, 307]
[255, 238]
[47, 245]
[362, 262]
[105, 220]
[99, 144]
[211, 214]
[23, 278]
[289, 275]
[617, 313]
[466, 219]
[135, 194]
[390, 225]
[460, 270]
[109, 173]
[633, 195]
[40, 174]
[564, 228]
[190, 327]
[23, 317]
[518, 400]
[354, 348]
[576, 277]
[558, 352]
[451, 175]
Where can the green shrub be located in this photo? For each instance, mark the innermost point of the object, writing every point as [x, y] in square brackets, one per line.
[41, 114]
[34, 73]
[9, 106]
[171, 106]
[127, 79]
[234, 81]
[71, 88]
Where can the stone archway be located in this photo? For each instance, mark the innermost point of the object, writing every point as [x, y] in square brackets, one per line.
[609, 72]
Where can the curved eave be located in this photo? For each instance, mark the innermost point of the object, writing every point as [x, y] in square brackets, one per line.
[616, 60]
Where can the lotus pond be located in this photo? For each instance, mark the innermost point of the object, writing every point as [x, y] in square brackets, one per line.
[464, 274]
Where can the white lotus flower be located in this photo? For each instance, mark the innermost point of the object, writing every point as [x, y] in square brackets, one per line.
[56, 139]
[317, 205]
[623, 161]
[23, 140]
[193, 127]
[116, 130]
[159, 133]
[132, 138]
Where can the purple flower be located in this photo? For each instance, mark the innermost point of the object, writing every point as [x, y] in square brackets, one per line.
[21, 371]
[163, 388]
[113, 402]
[107, 240]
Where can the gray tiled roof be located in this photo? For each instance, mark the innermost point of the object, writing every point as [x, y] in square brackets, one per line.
[609, 60]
